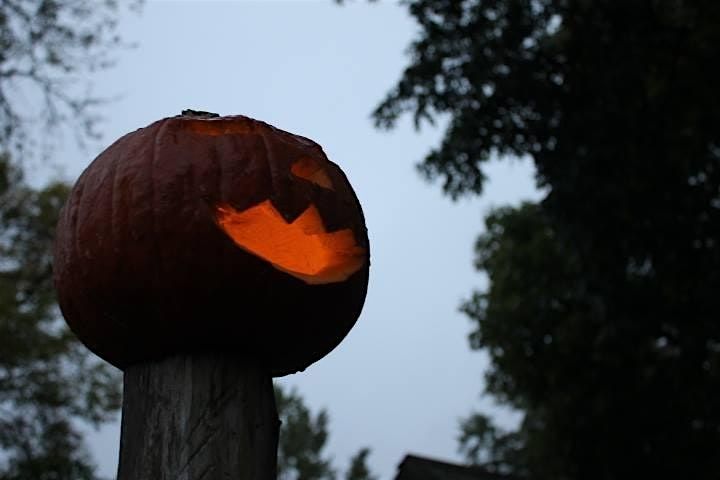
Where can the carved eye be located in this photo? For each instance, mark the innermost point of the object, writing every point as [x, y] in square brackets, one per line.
[311, 170]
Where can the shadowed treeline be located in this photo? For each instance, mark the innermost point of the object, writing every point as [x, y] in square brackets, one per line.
[601, 318]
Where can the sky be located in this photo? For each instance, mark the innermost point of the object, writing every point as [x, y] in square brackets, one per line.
[404, 377]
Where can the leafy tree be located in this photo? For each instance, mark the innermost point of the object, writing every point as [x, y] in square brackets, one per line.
[48, 382]
[601, 314]
[303, 436]
[47, 49]
[358, 469]
[302, 439]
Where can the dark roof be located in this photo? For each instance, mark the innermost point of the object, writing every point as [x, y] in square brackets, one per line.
[420, 468]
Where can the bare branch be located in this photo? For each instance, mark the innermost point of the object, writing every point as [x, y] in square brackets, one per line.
[47, 50]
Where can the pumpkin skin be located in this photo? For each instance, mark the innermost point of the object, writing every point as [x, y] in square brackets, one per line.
[144, 266]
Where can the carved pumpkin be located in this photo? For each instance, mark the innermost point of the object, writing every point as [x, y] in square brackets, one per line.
[202, 233]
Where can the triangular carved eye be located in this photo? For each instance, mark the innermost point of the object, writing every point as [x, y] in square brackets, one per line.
[303, 248]
[311, 170]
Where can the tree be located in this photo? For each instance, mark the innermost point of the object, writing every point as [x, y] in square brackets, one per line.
[358, 469]
[48, 382]
[600, 317]
[302, 439]
[47, 49]
[303, 436]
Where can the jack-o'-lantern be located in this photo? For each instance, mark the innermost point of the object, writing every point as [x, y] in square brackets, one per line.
[207, 233]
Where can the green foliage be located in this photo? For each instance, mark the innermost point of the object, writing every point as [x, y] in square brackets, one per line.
[483, 443]
[48, 381]
[303, 436]
[302, 439]
[358, 469]
[601, 315]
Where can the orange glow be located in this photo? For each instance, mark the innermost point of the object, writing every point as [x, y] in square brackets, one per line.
[216, 128]
[302, 248]
[310, 169]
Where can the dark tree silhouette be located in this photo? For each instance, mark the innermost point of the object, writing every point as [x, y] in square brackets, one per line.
[358, 469]
[48, 381]
[601, 319]
[303, 438]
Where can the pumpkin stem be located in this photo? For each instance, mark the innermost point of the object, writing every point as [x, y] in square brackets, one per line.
[198, 113]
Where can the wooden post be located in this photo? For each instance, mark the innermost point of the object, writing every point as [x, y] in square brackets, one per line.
[198, 417]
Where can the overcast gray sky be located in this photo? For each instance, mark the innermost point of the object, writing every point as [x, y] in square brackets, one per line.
[404, 376]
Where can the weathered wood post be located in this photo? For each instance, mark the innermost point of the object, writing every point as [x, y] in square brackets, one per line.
[204, 255]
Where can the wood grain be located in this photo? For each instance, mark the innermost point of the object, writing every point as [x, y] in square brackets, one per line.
[198, 417]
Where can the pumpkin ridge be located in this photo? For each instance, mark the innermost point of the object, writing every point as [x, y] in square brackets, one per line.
[113, 212]
[69, 254]
[159, 264]
[75, 226]
[192, 189]
[213, 154]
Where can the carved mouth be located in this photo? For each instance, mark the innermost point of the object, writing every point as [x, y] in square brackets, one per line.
[303, 248]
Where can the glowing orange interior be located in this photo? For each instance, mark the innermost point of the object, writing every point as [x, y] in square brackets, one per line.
[310, 169]
[216, 128]
[302, 248]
